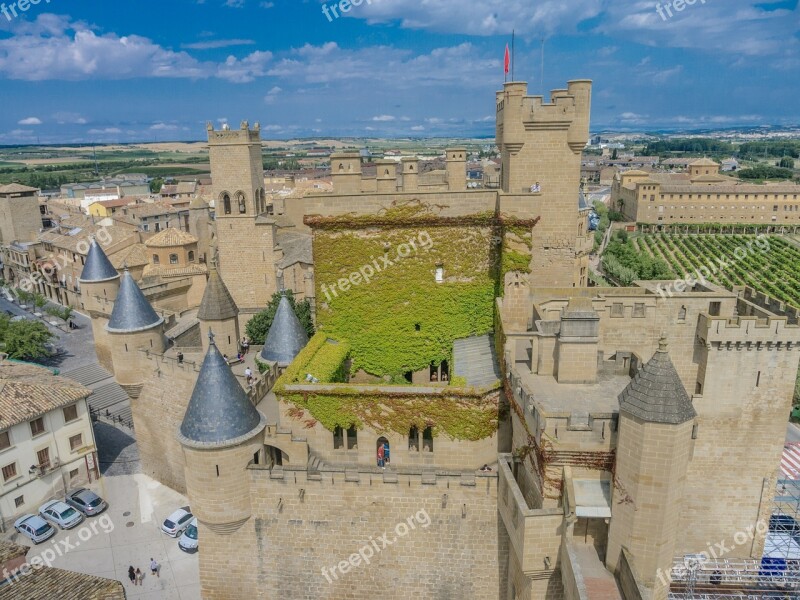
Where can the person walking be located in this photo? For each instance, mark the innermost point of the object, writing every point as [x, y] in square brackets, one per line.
[381, 457]
[249, 375]
[154, 567]
[139, 576]
[132, 575]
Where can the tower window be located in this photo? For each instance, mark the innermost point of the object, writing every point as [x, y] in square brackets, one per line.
[173, 259]
[226, 204]
[352, 438]
[240, 200]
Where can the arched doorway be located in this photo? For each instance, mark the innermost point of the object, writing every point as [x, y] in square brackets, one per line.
[382, 452]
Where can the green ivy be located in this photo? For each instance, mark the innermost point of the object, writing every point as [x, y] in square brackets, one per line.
[403, 320]
[463, 416]
[328, 364]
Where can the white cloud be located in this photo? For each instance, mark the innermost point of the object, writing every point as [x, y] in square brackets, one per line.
[55, 48]
[383, 118]
[213, 44]
[163, 127]
[418, 128]
[272, 95]
[106, 130]
[30, 121]
[68, 118]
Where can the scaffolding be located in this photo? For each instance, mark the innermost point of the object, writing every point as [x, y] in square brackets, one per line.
[776, 575]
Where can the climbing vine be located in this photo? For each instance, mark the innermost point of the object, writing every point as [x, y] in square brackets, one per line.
[459, 415]
[398, 317]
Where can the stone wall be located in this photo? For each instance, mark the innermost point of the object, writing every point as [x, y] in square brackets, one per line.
[302, 525]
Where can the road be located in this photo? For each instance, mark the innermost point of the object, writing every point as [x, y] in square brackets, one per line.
[792, 433]
[77, 345]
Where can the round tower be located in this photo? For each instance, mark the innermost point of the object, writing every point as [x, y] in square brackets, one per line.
[656, 420]
[286, 336]
[219, 313]
[133, 326]
[99, 283]
[220, 434]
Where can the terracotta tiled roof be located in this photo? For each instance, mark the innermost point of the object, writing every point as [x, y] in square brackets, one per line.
[29, 391]
[16, 188]
[151, 209]
[166, 271]
[703, 162]
[134, 255]
[48, 583]
[115, 203]
[10, 551]
[169, 237]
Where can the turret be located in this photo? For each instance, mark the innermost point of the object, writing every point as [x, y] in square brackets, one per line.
[99, 283]
[387, 176]
[410, 174]
[286, 336]
[656, 420]
[133, 326]
[220, 434]
[218, 312]
[346, 172]
[456, 169]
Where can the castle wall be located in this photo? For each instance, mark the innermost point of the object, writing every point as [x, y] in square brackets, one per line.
[302, 525]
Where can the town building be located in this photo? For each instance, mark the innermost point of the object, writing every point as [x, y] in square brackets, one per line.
[47, 444]
[702, 195]
[20, 214]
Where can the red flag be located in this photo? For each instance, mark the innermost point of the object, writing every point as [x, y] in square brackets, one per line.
[507, 60]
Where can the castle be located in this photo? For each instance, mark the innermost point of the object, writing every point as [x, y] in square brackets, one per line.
[545, 439]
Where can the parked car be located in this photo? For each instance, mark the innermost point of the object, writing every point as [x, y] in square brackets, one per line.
[35, 528]
[177, 522]
[784, 524]
[188, 541]
[87, 502]
[61, 513]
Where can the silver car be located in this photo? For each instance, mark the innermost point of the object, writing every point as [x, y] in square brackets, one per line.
[61, 514]
[86, 501]
[35, 528]
[188, 541]
[174, 524]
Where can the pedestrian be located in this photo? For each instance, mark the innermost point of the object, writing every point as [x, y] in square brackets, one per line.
[381, 456]
[249, 375]
[154, 567]
[386, 452]
[180, 357]
[139, 576]
[132, 575]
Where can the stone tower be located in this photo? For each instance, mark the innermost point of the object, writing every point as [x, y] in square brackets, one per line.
[286, 336]
[198, 227]
[133, 326]
[218, 312]
[245, 242]
[456, 169]
[656, 420]
[220, 434]
[99, 283]
[541, 142]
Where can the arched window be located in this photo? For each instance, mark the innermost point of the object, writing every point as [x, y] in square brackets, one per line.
[427, 439]
[173, 259]
[191, 255]
[226, 204]
[413, 439]
[242, 205]
[156, 260]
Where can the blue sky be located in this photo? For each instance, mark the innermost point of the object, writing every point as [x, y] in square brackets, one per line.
[125, 70]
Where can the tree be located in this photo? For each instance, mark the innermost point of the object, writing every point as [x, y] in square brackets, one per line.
[258, 326]
[156, 184]
[614, 154]
[26, 340]
[786, 163]
[39, 300]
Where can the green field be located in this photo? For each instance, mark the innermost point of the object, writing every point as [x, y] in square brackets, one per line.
[769, 264]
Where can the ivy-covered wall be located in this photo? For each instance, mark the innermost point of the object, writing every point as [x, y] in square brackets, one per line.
[398, 318]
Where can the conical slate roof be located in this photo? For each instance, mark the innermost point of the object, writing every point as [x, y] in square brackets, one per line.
[97, 267]
[132, 312]
[219, 411]
[656, 394]
[217, 304]
[286, 336]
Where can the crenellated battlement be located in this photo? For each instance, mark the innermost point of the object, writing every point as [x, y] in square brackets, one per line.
[243, 135]
[774, 332]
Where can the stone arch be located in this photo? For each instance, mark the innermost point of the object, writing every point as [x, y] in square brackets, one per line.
[225, 198]
[241, 201]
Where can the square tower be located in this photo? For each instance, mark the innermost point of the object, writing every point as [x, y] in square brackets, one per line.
[245, 242]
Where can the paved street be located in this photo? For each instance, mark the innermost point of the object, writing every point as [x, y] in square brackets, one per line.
[128, 534]
[792, 433]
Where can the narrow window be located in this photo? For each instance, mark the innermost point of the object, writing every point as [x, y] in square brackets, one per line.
[173, 259]
[75, 442]
[156, 260]
[413, 439]
[758, 379]
[70, 413]
[338, 438]
[226, 203]
[5, 440]
[352, 438]
[427, 439]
